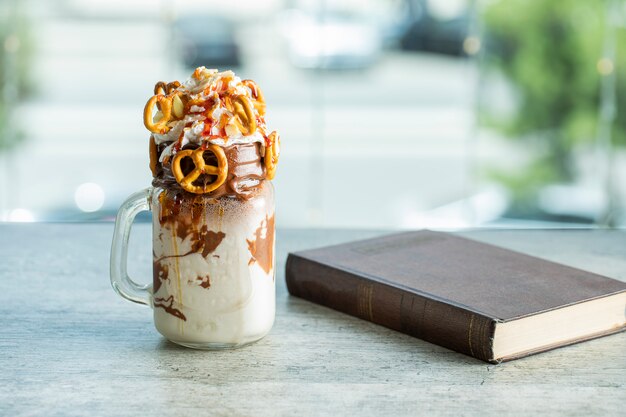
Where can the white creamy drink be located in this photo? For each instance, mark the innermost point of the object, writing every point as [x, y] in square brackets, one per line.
[212, 160]
[214, 281]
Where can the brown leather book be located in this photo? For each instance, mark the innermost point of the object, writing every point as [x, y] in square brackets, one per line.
[487, 302]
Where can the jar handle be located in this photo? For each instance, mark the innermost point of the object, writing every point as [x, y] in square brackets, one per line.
[121, 282]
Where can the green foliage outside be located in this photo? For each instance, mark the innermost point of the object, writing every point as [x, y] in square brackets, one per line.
[16, 49]
[549, 52]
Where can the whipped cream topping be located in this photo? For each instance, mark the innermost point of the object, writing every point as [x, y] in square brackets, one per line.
[206, 89]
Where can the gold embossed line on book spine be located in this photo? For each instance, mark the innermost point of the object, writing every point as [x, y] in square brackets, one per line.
[364, 297]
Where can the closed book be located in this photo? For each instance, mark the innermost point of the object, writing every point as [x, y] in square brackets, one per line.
[482, 300]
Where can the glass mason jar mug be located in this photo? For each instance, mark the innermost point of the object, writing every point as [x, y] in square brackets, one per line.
[213, 265]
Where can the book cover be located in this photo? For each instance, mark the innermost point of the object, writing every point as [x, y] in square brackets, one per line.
[482, 300]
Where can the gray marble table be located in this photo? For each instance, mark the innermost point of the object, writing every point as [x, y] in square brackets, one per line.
[71, 346]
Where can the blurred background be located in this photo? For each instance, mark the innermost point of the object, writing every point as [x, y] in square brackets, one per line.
[393, 113]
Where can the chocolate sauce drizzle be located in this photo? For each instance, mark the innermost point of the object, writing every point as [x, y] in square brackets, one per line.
[168, 307]
[262, 248]
[204, 241]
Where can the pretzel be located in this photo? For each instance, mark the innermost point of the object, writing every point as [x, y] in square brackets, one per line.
[197, 155]
[258, 100]
[153, 156]
[162, 88]
[241, 107]
[166, 104]
[272, 153]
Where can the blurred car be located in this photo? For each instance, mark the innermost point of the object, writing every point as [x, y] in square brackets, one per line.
[430, 35]
[207, 40]
[436, 29]
[332, 41]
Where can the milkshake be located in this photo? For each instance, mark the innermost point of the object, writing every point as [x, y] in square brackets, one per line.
[212, 159]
